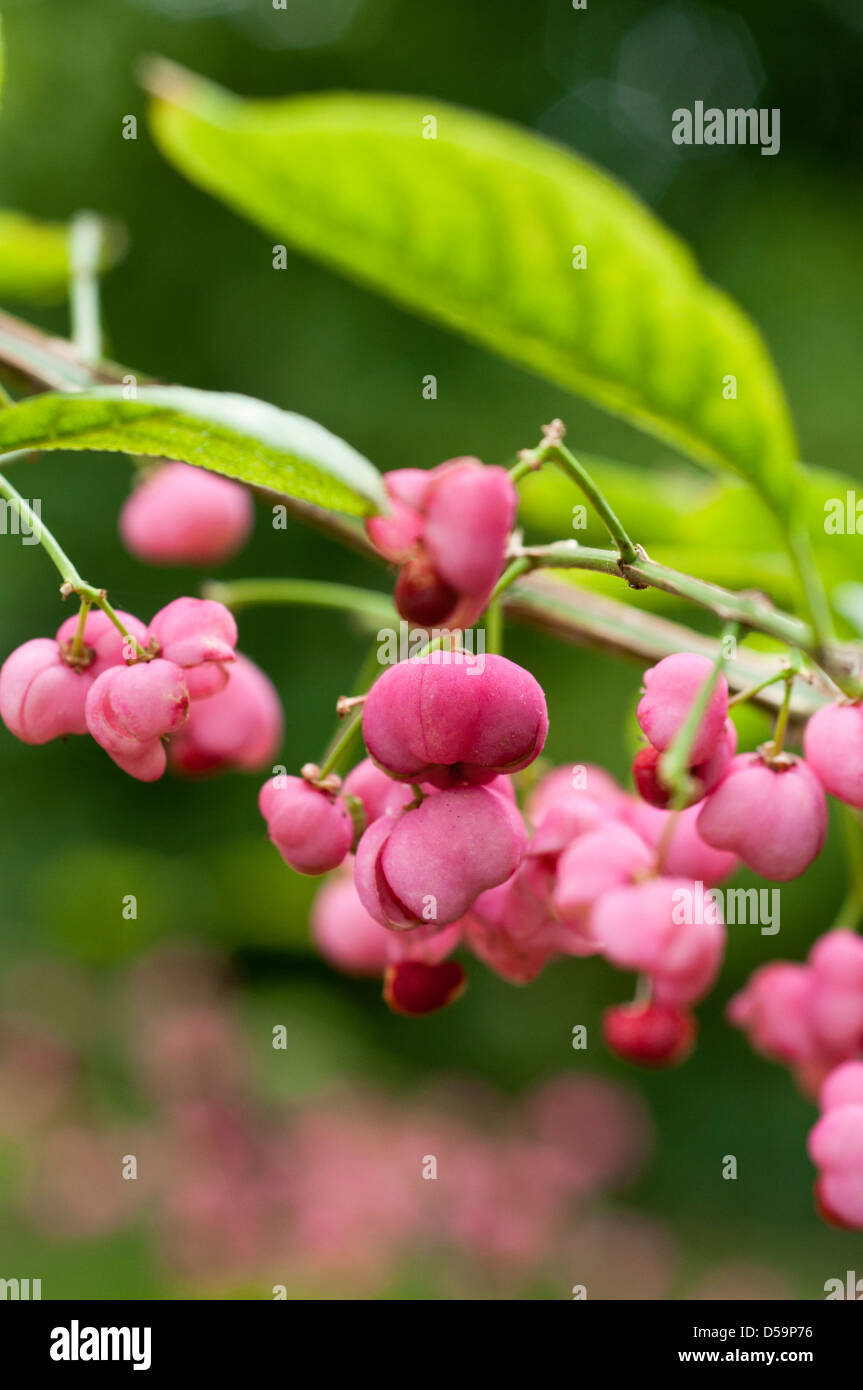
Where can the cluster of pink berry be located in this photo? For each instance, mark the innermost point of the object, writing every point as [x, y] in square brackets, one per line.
[445, 858]
[836, 1147]
[447, 530]
[133, 686]
[810, 1016]
[432, 849]
[769, 808]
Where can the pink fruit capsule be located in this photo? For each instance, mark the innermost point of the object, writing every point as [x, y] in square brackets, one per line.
[647, 772]
[686, 854]
[130, 709]
[650, 1035]
[311, 828]
[671, 688]
[833, 744]
[43, 690]
[448, 722]
[376, 790]
[186, 516]
[238, 728]
[200, 635]
[448, 528]
[415, 988]
[431, 862]
[602, 859]
[773, 815]
[354, 942]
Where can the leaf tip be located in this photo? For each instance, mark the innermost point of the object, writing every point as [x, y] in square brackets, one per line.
[164, 79]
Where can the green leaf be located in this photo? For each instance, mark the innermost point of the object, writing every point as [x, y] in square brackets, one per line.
[235, 435]
[34, 257]
[475, 228]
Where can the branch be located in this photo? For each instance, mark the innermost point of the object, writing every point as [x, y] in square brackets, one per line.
[607, 625]
[842, 663]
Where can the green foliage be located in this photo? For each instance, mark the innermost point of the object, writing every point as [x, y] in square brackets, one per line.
[476, 228]
[235, 435]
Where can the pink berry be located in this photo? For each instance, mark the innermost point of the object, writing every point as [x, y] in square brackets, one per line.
[651, 1035]
[130, 709]
[311, 828]
[450, 722]
[575, 780]
[594, 863]
[686, 854]
[513, 929]
[345, 934]
[671, 689]
[564, 822]
[421, 596]
[431, 862]
[448, 528]
[199, 635]
[645, 927]
[646, 771]
[833, 743]
[42, 695]
[42, 698]
[835, 965]
[238, 728]
[376, 790]
[843, 1086]
[414, 988]
[836, 1141]
[839, 1198]
[396, 532]
[773, 816]
[354, 942]
[105, 642]
[774, 1009]
[469, 510]
[186, 516]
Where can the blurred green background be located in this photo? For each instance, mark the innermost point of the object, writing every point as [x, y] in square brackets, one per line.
[196, 300]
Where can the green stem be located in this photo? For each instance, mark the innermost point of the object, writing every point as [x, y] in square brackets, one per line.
[494, 629]
[512, 572]
[743, 695]
[72, 580]
[569, 464]
[86, 238]
[803, 559]
[782, 718]
[674, 765]
[311, 593]
[49, 543]
[524, 466]
[6, 401]
[746, 609]
[78, 643]
[343, 743]
[552, 449]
